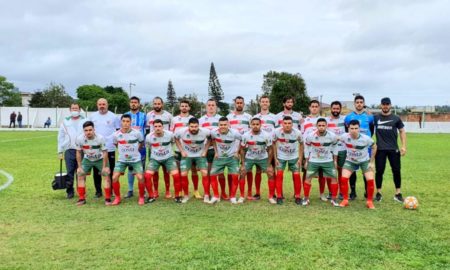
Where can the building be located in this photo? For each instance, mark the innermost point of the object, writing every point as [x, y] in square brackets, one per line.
[26, 97]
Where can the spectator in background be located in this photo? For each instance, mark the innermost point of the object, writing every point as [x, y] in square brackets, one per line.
[19, 120]
[48, 122]
[12, 119]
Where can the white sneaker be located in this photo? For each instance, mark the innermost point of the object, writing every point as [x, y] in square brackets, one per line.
[185, 199]
[206, 199]
[241, 200]
[233, 200]
[214, 200]
[323, 197]
[305, 202]
[272, 201]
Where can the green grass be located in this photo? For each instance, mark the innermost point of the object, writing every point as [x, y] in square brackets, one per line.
[39, 228]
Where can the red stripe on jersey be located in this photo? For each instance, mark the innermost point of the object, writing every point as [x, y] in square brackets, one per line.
[316, 143]
[349, 145]
[308, 125]
[187, 141]
[155, 144]
[234, 122]
[219, 140]
[180, 124]
[86, 147]
[122, 142]
[251, 143]
[332, 125]
[281, 139]
[206, 124]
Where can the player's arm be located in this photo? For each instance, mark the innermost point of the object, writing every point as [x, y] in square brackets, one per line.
[300, 153]
[403, 141]
[105, 161]
[208, 144]
[242, 154]
[275, 153]
[214, 144]
[61, 141]
[78, 157]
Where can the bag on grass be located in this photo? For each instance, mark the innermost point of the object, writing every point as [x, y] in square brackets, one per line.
[60, 179]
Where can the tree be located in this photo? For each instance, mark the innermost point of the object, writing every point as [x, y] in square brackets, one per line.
[52, 96]
[171, 97]
[253, 106]
[195, 104]
[117, 98]
[277, 85]
[215, 91]
[9, 94]
[37, 100]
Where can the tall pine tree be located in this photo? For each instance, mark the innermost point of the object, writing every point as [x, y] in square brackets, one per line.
[171, 97]
[215, 91]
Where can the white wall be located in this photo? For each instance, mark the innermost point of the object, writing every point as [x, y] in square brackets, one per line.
[34, 117]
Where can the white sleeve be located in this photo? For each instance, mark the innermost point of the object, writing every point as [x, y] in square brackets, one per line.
[62, 138]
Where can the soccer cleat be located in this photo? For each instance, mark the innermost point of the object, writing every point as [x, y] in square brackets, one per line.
[108, 202]
[224, 196]
[250, 198]
[344, 203]
[241, 200]
[214, 200]
[280, 201]
[272, 201]
[70, 195]
[398, 198]
[334, 203]
[298, 201]
[256, 197]
[353, 196]
[206, 199]
[168, 195]
[116, 201]
[379, 197]
[141, 201]
[81, 202]
[323, 197]
[341, 197]
[329, 197]
[155, 195]
[233, 201]
[185, 199]
[305, 202]
[98, 195]
[177, 199]
[197, 195]
[150, 200]
[370, 205]
[129, 194]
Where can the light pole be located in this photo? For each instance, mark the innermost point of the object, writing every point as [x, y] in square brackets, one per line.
[130, 85]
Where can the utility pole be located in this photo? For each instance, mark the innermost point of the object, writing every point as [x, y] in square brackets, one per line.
[131, 84]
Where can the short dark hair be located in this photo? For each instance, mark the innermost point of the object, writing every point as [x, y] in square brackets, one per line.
[135, 98]
[158, 121]
[264, 96]
[75, 103]
[125, 116]
[238, 97]
[88, 124]
[185, 101]
[314, 101]
[321, 120]
[336, 103]
[255, 119]
[162, 101]
[359, 97]
[223, 118]
[354, 122]
[287, 118]
[286, 98]
[193, 120]
[211, 99]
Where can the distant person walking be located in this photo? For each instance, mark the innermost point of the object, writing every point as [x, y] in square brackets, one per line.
[19, 120]
[48, 123]
[12, 119]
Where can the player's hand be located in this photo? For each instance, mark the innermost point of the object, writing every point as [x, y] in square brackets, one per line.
[80, 171]
[60, 156]
[183, 154]
[106, 170]
[216, 156]
[372, 166]
[277, 162]
[269, 170]
[335, 164]
[403, 151]
[204, 154]
[299, 163]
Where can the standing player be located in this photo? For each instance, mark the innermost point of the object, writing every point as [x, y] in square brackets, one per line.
[159, 143]
[69, 130]
[268, 125]
[366, 127]
[357, 145]
[159, 113]
[256, 150]
[226, 144]
[240, 121]
[106, 123]
[336, 124]
[320, 154]
[128, 142]
[95, 156]
[387, 127]
[288, 104]
[138, 123]
[211, 121]
[288, 150]
[193, 143]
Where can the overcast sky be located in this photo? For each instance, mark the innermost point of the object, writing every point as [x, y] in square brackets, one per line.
[377, 48]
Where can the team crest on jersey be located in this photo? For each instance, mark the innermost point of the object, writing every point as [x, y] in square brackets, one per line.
[316, 138]
[348, 140]
[154, 139]
[188, 136]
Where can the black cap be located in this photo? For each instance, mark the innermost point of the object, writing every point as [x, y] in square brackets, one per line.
[385, 100]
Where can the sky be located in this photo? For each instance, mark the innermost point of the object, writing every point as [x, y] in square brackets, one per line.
[399, 49]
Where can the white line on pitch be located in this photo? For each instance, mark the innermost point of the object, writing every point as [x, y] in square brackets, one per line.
[9, 182]
[26, 139]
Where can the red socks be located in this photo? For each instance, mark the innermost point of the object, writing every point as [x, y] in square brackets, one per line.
[185, 185]
[344, 187]
[206, 182]
[306, 188]
[195, 180]
[166, 180]
[242, 186]
[333, 189]
[321, 184]
[177, 184]
[141, 186]
[148, 184]
[116, 188]
[82, 193]
[370, 189]
[279, 184]
[249, 183]
[222, 184]
[107, 193]
[230, 183]
[234, 184]
[215, 185]
[271, 188]
[155, 182]
[258, 183]
[297, 184]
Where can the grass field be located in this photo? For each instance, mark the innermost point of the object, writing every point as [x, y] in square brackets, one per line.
[39, 228]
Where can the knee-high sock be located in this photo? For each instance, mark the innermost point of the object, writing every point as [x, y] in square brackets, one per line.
[230, 183]
[333, 189]
[156, 182]
[272, 185]
[141, 186]
[167, 180]
[223, 188]
[148, 184]
[206, 183]
[177, 184]
[306, 188]
[279, 183]
[107, 193]
[234, 184]
[116, 188]
[82, 192]
[344, 187]
[339, 180]
[321, 183]
[195, 180]
[249, 183]
[370, 189]
[130, 181]
[215, 185]
[297, 184]
[258, 182]
[242, 186]
[185, 185]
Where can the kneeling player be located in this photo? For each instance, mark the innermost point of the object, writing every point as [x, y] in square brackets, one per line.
[357, 145]
[128, 142]
[288, 150]
[259, 153]
[160, 144]
[320, 154]
[95, 155]
[226, 143]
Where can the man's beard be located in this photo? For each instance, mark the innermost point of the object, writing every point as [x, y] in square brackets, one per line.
[157, 109]
[335, 114]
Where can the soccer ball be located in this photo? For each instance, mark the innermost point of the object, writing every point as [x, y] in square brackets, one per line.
[411, 203]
